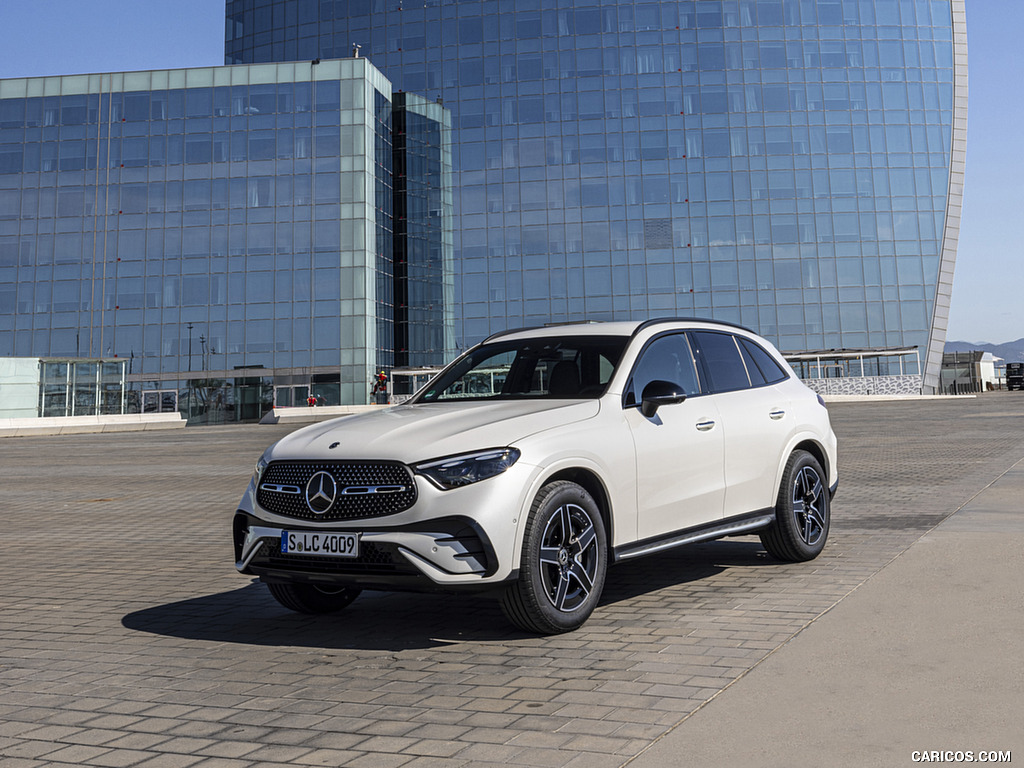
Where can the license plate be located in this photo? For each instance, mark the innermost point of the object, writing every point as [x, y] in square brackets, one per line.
[319, 544]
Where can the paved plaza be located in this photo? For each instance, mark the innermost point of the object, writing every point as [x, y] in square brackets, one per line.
[128, 639]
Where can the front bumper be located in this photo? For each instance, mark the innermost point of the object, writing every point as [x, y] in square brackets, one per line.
[446, 553]
[463, 538]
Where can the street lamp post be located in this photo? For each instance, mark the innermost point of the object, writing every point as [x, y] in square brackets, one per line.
[204, 384]
[191, 391]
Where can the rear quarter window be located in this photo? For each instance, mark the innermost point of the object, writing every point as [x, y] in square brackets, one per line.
[767, 365]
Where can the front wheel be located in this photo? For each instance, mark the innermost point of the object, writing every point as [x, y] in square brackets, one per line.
[311, 598]
[563, 564]
[802, 512]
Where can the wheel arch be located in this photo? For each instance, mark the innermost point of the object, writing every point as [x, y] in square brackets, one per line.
[592, 484]
[810, 445]
[817, 451]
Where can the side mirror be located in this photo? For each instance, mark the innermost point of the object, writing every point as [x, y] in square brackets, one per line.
[658, 393]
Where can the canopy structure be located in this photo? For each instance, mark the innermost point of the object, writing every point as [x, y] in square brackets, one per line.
[845, 363]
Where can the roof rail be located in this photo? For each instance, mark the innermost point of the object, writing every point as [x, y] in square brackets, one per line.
[510, 331]
[640, 327]
[658, 320]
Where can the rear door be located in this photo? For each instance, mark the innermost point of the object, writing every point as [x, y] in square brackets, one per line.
[754, 418]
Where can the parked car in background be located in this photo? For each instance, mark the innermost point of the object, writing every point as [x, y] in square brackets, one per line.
[537, 459]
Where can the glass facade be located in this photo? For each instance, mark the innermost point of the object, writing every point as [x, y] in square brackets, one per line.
[83, 387]
[791, 165]
[423, 233]
[227, 231]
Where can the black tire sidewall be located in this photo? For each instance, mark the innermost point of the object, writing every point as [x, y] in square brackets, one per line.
[783, 539]
[542, 615]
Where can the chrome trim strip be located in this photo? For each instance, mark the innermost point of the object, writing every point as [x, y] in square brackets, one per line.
[714, 532]
[254, 538]
[276, 488]
[362, 490]
[241, 565]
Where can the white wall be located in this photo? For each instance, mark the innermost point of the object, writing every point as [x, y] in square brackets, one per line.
[19, 387]
[987, 371]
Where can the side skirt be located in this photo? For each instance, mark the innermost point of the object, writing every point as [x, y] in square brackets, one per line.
[731, 527]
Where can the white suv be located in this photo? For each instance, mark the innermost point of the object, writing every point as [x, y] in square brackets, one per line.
[538, 458]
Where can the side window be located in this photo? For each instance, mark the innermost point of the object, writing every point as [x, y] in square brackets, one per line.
[667, 358]
[722, 361]
[767, 364]
[757, 379]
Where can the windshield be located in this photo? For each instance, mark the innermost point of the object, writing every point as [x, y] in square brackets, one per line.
[567, 367]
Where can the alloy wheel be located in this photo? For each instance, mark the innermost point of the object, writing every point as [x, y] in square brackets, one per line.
[569, 557]
[808, 505]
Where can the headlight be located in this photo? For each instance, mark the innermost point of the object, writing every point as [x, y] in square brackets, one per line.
[456, 471]
[257, 472]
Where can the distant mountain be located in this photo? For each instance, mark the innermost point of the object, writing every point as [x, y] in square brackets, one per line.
[1011, 351]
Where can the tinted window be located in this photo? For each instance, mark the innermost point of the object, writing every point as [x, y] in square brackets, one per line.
[722, 361]
[667, 358]
[757, 379]
[769, 368]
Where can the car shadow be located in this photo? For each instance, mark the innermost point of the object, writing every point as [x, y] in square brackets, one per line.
[395, 621]
[376, 621]
[680, 566]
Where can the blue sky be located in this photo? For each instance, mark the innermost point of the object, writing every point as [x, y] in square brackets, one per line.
[59, 37]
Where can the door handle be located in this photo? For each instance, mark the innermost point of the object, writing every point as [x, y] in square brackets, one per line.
[777, 414]
[705, 425]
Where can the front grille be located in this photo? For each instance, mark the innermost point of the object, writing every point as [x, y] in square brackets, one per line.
[373, 560]
[371, 489]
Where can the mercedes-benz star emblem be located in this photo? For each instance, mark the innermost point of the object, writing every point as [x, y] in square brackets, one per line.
[320, 492]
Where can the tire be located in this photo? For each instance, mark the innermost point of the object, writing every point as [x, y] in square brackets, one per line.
[309, 598]
[802, 511]
[563, 564]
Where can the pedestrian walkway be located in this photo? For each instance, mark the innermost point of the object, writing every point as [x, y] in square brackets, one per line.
[924, 657]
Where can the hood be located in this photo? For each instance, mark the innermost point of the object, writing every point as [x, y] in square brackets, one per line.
[412, 433]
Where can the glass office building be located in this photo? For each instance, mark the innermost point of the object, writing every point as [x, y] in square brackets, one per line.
[228, 231]
[792, 165]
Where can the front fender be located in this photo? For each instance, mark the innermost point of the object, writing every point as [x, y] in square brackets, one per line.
[604, 453]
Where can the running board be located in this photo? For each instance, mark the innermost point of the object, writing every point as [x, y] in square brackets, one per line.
[729, 528]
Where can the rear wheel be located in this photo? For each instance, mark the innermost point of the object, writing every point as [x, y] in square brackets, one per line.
[802, 513]
[563, 564]
[311, 598]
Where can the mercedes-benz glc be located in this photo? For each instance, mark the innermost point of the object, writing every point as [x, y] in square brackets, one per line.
[539, 458]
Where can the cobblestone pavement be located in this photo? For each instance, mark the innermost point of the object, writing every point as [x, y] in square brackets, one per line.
[127, 639]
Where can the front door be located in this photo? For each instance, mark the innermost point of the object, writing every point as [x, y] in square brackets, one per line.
[680, 449]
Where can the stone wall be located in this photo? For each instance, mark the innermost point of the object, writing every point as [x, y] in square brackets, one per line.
[867, 385]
